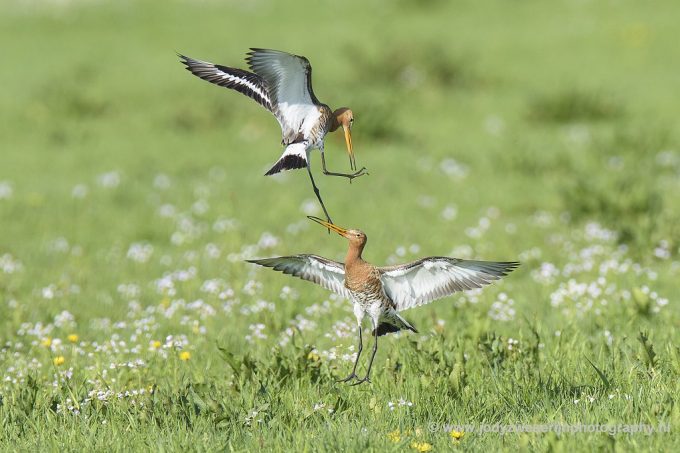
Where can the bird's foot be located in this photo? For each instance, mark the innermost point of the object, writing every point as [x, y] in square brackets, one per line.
[361, 381]
[348, 378]
[349, 176]
[356, 174]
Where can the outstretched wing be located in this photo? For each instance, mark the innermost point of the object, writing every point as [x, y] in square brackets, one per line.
[289, 80]
[252, 85]
[288, 76]
[420, 282]
[327, 273]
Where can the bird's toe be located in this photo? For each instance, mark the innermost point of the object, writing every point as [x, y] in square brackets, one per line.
[348, 378]
[361, 381]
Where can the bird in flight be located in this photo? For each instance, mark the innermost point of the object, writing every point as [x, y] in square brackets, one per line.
[382, 292]
[282, 83]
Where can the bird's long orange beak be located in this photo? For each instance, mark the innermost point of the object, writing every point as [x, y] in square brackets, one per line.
[341, 231]
[350, 151]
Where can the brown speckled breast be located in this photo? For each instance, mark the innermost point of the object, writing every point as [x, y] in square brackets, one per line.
[365, 285]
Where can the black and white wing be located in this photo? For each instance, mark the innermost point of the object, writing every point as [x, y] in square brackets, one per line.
[289, 80]
[423, 281]
[252, 85]
[316, 269]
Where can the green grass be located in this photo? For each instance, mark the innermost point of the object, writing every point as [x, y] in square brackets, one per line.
[131, 192]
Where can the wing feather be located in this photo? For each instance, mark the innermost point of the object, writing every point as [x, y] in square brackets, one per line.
[428, 279]
[316, 269]
[252, 85]
[289, 78]
[279, 81]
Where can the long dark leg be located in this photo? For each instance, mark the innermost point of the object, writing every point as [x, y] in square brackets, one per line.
[316, 191]
[351, 176]
[370, 363]
[352, 375]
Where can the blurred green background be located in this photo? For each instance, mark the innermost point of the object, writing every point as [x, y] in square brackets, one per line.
[497, 130]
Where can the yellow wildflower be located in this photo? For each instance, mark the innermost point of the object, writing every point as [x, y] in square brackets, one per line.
[59, 360]
[73, 338]
[156, 344]
[313, 356]
[165, 302]
[422, 447]
[47, 342]
[394, 436]
[456, 435]
[184, 356]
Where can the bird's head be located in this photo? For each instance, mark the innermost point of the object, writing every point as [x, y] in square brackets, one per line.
[343, 117]
[355, 237]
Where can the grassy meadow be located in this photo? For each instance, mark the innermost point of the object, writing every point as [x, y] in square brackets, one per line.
[131, 193]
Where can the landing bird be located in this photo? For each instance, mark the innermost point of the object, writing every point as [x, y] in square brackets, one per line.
[382, 292]
[282, 83]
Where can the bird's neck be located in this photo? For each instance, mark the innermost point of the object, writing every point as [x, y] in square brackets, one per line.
[353, 256]
[334, 124]
[334, 115]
